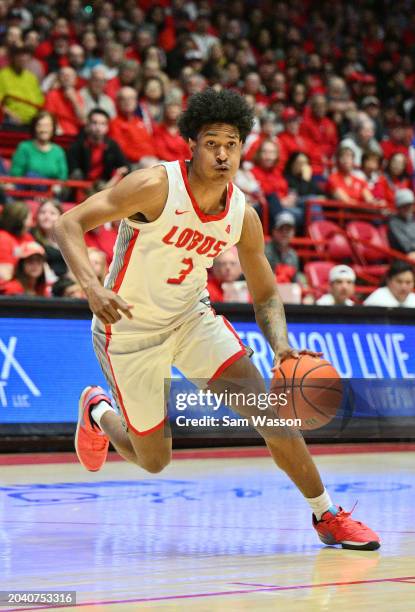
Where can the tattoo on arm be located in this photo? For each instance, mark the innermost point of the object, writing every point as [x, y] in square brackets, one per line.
[270, 317]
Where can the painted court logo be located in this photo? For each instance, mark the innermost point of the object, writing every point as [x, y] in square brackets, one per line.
[10, 366]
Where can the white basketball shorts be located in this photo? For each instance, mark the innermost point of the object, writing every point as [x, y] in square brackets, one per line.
[137, 365]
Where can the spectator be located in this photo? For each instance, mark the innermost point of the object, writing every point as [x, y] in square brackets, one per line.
[201, 36]
[376, 180]
[362, 138]
[15, 222]
[342, 287]
[282, 258]
[98, 261]
[292, 141]
[94, 156]
[401, 227]
[47, 215]
[67, 287]
[29, 276]
[93, 95]
[151, 102]
[397, 177]
[344, 185]
[40, 157]
[398, 290]
[268, 131]
[128, 76]
[223, 284]
[16, 80]
[371, 106]
[397, 140]
[113, 56]
[103, 238]
[319, 128]
[299, 176]
[129, 131]
[169, 144]
[66, 103]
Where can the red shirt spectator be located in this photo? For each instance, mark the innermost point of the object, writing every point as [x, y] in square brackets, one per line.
[128, 130]
[266, 170]
[292, 141]
[346, 186]
[396, 176]
[29, 276]
[103, 238]
[16, 219]
[396, 141]
[169, 144]
[318, 128]
[66, 103]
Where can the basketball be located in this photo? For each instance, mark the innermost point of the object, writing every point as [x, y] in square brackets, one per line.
[313, 388]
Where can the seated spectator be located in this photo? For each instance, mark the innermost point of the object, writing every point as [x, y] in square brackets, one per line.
[47, 215]
[299, 175]
[397, 177]
[94, 156]
[168, 142]
[319, 128]
[66, 103]
[401, 227]
[344, 185]
[128, 76]
[29, 276]
[16, 80]
[98, 261]
[273, 184]
[224, 284]
[113, 56]
[67, 287]
[292, 141]
[151, 102]
[268, 130]
[397, 141]
[361, 139]
[93, 94]
[400, 283]
[282, 258]
[40, 157]
[371, 172]
[129, 131]
[342, 287]
[15, 222]
[371, 106]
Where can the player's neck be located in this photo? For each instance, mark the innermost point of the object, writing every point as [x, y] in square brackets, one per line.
[209, 196]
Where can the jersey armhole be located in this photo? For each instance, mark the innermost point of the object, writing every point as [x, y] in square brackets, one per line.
[160, 218]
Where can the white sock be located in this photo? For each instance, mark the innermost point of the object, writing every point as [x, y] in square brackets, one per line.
[99, 410]
[321, 504]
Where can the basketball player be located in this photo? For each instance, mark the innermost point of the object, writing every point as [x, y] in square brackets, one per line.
[153, 311]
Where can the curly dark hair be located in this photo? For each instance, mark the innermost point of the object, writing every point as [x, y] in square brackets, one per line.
[212, 106]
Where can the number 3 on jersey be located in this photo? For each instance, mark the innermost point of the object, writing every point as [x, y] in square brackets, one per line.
[187, 261]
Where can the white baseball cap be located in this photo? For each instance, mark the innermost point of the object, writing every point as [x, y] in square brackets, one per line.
[341, 272]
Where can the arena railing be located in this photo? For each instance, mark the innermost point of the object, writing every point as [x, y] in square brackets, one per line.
[45, 187]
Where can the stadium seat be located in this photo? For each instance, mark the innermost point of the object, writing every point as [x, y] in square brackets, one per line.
[331, 241]
[317, 273]
[363, 235]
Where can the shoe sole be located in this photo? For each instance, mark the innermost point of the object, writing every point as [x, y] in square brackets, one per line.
[80, 415]
[368, 546]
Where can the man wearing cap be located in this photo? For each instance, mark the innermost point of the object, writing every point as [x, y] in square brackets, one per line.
[16, 80]
[282, 258]
[342, 286]
[401, 227]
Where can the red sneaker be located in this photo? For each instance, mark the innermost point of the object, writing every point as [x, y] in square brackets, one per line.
[91, 444]
[341, 529]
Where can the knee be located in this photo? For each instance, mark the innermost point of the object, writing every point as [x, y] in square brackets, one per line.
[155, 464]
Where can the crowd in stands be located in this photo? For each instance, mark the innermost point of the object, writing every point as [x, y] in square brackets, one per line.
[332, 85]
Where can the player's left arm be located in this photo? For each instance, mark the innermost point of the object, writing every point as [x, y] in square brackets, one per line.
[268, 306]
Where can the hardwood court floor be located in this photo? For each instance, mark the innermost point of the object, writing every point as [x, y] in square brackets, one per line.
[207, 535]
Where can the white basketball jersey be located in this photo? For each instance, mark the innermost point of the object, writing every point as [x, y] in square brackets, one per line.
[161, 267]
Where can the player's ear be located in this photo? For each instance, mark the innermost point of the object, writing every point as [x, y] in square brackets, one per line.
[192, 144]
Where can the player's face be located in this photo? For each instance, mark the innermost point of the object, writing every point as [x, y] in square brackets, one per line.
[217, 152]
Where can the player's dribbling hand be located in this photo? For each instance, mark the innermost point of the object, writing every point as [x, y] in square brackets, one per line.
[107, 305]
[287, 352]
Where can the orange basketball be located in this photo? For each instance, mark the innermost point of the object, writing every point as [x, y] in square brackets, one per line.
[313, 389]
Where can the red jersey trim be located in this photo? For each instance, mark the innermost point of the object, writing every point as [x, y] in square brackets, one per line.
[203, 216]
